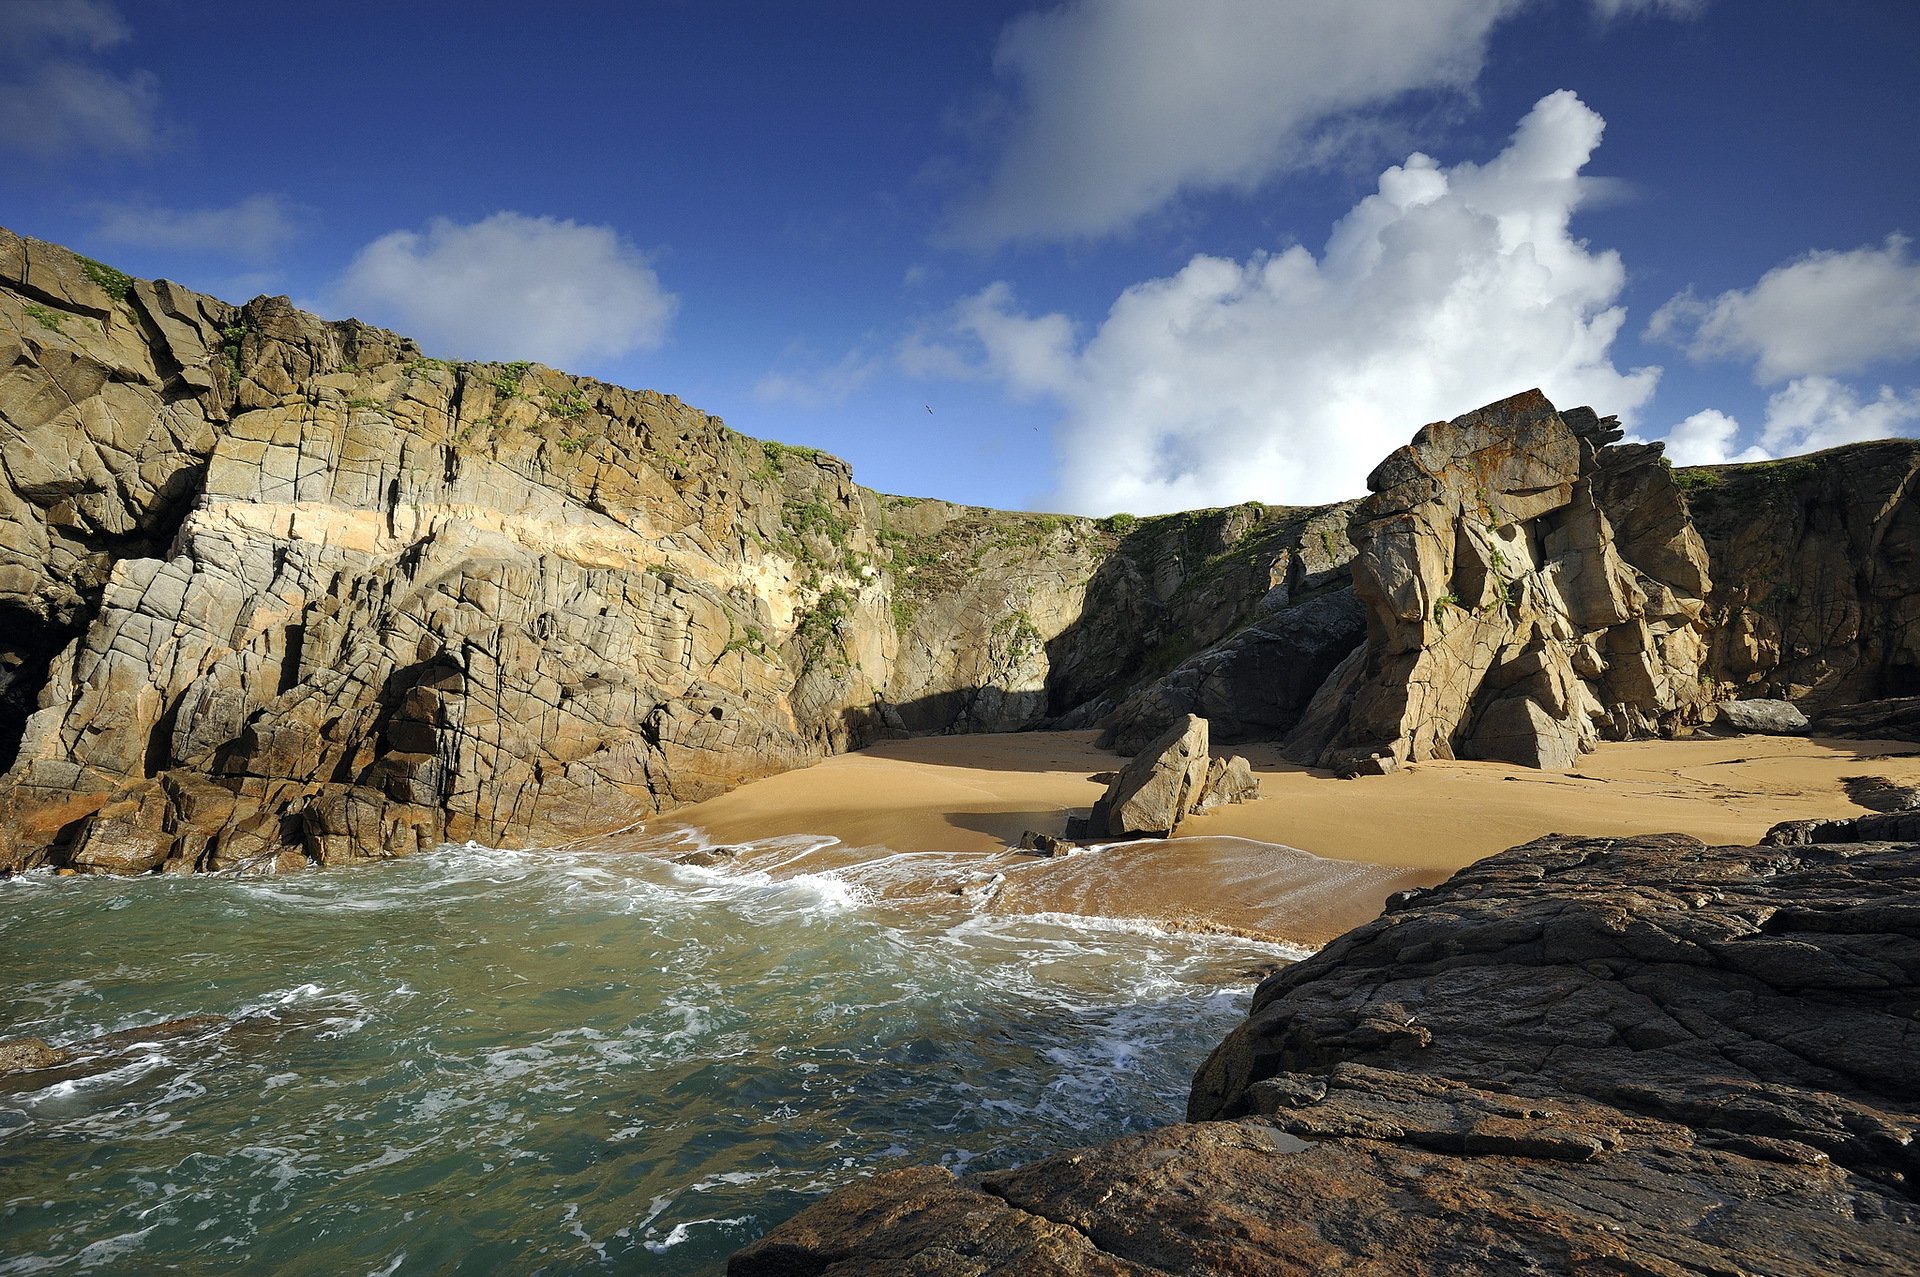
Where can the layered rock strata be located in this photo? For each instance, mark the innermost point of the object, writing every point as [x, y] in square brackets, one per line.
[1614, 1055]
[275, 591]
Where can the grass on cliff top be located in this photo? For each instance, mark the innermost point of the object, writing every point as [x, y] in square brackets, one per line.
[115, 283]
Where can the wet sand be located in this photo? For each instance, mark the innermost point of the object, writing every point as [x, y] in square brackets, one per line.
[933, 817]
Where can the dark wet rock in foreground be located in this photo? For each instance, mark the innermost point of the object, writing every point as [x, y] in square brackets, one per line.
[1583, 1055]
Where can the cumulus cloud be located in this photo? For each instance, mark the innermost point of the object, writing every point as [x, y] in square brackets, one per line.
[1116, 106]
[1811, 413]
[252, 230]
[1285, 377]
[55, 96]
[510, 286]
[1825, 313]
[1707, 439]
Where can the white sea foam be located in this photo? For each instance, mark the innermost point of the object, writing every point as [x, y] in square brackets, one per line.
[683, 1232]
[1084, 928]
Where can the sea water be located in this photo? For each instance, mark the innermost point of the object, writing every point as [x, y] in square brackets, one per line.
[552, 1061]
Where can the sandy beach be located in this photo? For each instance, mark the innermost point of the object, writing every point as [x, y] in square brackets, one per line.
[1308, 859]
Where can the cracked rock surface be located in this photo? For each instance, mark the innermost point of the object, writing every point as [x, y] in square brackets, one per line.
[1530, 589]
[1582, 1055]
[278, 592]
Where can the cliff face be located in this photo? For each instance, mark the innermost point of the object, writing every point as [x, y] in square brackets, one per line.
[1636, 1055]
[1816, 568]
[276, 591]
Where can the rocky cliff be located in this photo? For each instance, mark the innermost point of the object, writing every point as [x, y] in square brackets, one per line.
[1529, 589]
[1582, 1055]
[1816, 563]
[277, 591]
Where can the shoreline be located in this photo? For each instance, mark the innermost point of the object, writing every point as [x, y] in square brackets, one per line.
[930, 818]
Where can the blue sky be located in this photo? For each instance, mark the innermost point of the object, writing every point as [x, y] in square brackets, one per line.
[1133, 254]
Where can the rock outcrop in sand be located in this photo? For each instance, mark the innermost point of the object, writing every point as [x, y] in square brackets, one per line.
[1528, 589]
[1172, 777]
[1624, 1055]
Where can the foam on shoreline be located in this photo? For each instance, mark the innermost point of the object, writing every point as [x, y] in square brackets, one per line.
[1312, 857]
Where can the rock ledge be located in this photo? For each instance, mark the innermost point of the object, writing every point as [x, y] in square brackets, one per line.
[1626, 1055]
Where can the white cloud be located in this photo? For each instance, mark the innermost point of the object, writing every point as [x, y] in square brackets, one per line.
[252, 230]
[1827, 312]
[510, 286]
[1707, 439]
[1120, 105]
[1611, 9]
[1284, 378]
[1811, 413]
[830, 386]
[1111, 109]
[57, 101]
[35, 24]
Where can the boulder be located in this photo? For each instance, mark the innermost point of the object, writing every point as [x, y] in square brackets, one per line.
[1760, 717]
[1045, 844]
[1229, 780]
[23, 1055]
[1158, 788]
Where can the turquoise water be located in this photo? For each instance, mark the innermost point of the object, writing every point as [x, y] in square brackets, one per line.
[545, 1061]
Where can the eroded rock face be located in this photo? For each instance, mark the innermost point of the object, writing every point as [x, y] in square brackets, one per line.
[1815, 561]
[1528, 591]
[277, 592]
[1636, 1055]
[1897, 718]
[1254, 684]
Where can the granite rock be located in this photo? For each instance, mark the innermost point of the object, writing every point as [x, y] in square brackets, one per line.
[1814, 564]
[1155, 791]
[1760, 717]
[278, 592]
[1506, 616]
[1612, 1055]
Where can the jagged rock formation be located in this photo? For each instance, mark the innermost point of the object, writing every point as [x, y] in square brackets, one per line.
[1528, 590]
[1815, 561]
[1638, 1055]
[1154, 792]
[1255, 684]
[1224, 612]
[276, 591]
